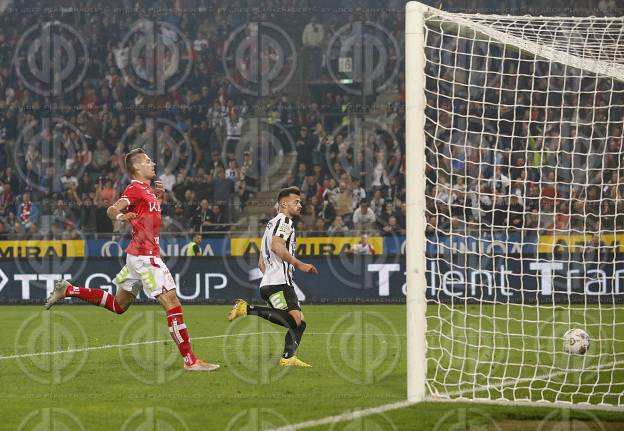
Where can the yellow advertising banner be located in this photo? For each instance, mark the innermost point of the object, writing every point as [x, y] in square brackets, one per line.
[35, 249]
[575, 243]
[308, 246]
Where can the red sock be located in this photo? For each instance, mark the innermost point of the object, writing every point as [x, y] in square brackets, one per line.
[180, 334]
[97, 297]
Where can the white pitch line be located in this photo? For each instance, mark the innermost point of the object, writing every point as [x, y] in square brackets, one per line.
[346, 416]
[402, 404]
[114, 346]
[142, 343]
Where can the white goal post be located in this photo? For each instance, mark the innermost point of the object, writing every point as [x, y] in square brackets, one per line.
[515, 207]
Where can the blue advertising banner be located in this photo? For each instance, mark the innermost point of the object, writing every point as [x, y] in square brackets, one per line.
[483, 243]
[168, 247]
[343, 279]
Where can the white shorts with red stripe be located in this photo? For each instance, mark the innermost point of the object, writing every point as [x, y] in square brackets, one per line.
[147, 271]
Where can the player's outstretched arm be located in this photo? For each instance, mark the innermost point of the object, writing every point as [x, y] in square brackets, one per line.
[261, 265]
[115, 211]
[278, 246]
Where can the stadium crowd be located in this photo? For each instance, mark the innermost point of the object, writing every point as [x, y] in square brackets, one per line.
[62, 156]
[194, 133]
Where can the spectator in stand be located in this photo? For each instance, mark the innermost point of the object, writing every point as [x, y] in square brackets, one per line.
[27, 212]
[189, 204]
[101, 157]
[305, 148]
[301, 175]
[234, 129]
[327, 211]
[85, 156]
[86, 185]
[377, 203]
[309, 216]
[337, 228]
[179, 221]
[68, 179]
[344, 203]
[499, 183]
[313, 34]
[105, 190]
[35, 234]
[6, 198]
[168, 179]
[203, 217]
[87, 216]
[290, 180]
[320, 227]
[516, 213]
[392, 227]
[358, 192]
[223, 188]
[364, 217]
[60, 212]
[215, 163]
[232, 172]
[310, 188]
[402, 216]
[219, 218]
[363, 246]
[549, 188]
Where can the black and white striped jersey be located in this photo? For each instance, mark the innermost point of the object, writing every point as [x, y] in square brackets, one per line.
[276, 270]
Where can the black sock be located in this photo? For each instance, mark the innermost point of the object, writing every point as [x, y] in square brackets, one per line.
[279, 317]
[293, 339]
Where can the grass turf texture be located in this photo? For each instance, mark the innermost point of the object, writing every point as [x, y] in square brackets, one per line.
[129, 379]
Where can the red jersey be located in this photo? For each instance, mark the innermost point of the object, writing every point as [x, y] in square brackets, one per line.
[146, 226]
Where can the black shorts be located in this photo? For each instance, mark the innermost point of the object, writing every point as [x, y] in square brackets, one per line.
[281, 297]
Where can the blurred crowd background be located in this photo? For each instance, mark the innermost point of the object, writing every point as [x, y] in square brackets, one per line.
[528, 151]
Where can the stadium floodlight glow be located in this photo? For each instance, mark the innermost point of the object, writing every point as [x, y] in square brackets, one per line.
[513, 125]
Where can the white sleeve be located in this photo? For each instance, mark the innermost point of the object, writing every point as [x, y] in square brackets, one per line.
[283, 228]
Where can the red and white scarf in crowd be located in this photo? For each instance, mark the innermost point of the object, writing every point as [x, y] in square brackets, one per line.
[25, 215]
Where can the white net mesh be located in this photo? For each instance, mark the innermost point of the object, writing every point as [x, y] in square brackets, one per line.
[525, 207]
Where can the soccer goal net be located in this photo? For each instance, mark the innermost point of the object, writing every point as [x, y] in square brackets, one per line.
[515, 207]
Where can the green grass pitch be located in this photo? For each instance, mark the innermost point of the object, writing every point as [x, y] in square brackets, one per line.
[124, 373]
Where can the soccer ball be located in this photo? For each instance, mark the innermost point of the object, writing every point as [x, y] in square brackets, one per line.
[575, 341]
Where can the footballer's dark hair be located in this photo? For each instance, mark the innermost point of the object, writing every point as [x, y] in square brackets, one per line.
[284, 193]
[129, 160]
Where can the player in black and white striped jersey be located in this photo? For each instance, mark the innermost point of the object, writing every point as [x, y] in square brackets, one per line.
[277, 262]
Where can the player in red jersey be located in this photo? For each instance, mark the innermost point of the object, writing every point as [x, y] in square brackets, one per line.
[139, 206]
